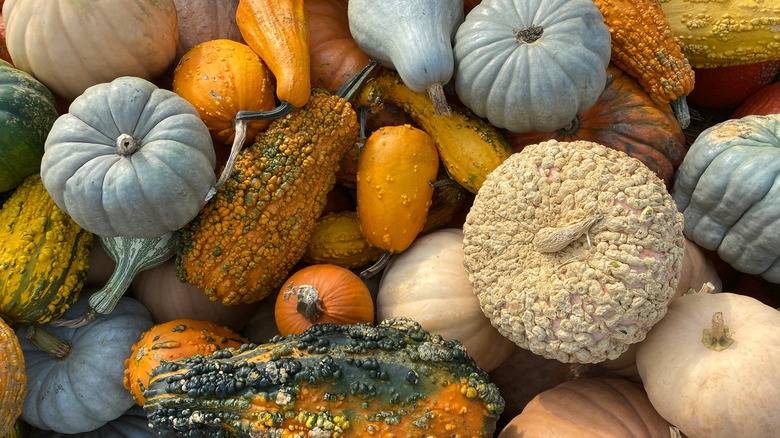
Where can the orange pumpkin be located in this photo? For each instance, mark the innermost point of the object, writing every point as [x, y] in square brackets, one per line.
[322, 293]
[13, 379]
[175, 339]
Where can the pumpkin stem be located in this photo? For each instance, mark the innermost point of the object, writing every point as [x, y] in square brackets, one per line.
[529, 35]
[351, 86]
[439, 99]
[377, 266]
[309, 303]
[571, 128]
[55, 346]
[717, 337]
[681, 111]
[554, 239]
[126, 145]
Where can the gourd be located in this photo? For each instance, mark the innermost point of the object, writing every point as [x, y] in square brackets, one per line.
[278, 31]
[322, 293]
[74, 375]
[718, 34]
[725, 188]
[469, 146]
[246, 239]
[428, 284]
[172, 340]
[337, 240]
[3, 46]
[448, 199]
[167, 299]
[574, 250]
[728, 87]
[396, 167]
[44, 254]
[13, 379]
[643, 45]
[393, 378]
[199, 21]
[129, 159]
[531, 65]
[28, 111]
[334, 54]
[132, 424]
[412, 37]
[626, 119]
[709, 366]
[598, 407]
[115, 38]
[763, 103]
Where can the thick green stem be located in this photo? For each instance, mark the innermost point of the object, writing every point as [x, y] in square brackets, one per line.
[57, 347]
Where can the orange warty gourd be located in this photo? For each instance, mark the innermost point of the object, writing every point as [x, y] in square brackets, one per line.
[172, 340]
[13, 379]
[278, 31]
[322, 293]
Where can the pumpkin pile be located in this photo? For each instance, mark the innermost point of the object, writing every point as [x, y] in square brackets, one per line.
[440, 218]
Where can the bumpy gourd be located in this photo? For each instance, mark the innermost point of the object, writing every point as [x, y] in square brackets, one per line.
[13, 378]
[573, 249]
[337, 240]
[390, 379]
[44, 256]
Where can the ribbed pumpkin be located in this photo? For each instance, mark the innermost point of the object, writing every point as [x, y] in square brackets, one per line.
[13, 378]
[27, 111]
[322, 293]
[205, 20]
[172, 340]
[44, 256]
[624, 118]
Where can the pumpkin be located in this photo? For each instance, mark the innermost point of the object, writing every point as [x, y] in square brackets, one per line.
[337, 240]
[115, 38]
[261, 328]
[3, 46]
[199, 21]
[163, 185]
[709, 367]
[13, 379]
[531, 65]
[723, 33]
[167, 298]
[278, 31]
[728, 87]
[598, 407]
[44, 256]
[132, 424]
[388, 379]
[334, 54]
[244, 242]
[573, 249]
[322, 293]
[626, 119]
[726, 187]
[428, 284]
[74, 375]
[765, 101]
[28, 111]
[172, 340]
[412, 37]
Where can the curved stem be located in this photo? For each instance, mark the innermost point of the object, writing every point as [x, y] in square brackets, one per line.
[571, 128]
[681, 111]
[351, 86]
[439, 99]
[377, 266]
[55, 346]
[280, 111]
[238, 143]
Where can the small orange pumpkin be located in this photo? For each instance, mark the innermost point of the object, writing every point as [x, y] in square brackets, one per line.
[175, 339]
[322, 293]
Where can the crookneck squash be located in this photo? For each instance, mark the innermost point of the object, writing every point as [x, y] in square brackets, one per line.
[389, 379]
[243, 243]
[44, 256]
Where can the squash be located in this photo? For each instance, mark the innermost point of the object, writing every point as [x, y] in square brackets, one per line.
[115, 38]
[643, 45]
[164, 184]
[44, 256]
[199, 21]
[448, 199]
[728, 87]
[599, 407]
[624, 118]
[278, 31]
[3, 46]
[322, 293]
[13, 378]
[396, 167]
[244, 242]
[28, 111]
[531, 65]
[261, 328]
[172, 340]
[723, 33]
[132, 424]
[393, 378]
[469, 146]
[412, 37]
[709, 367]
[766, 101]
[428, 284]
[74, 375]
[334, 54]
[726, 187]
[697, 271]
[167, 299]
[573, 249]
[337, 240]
